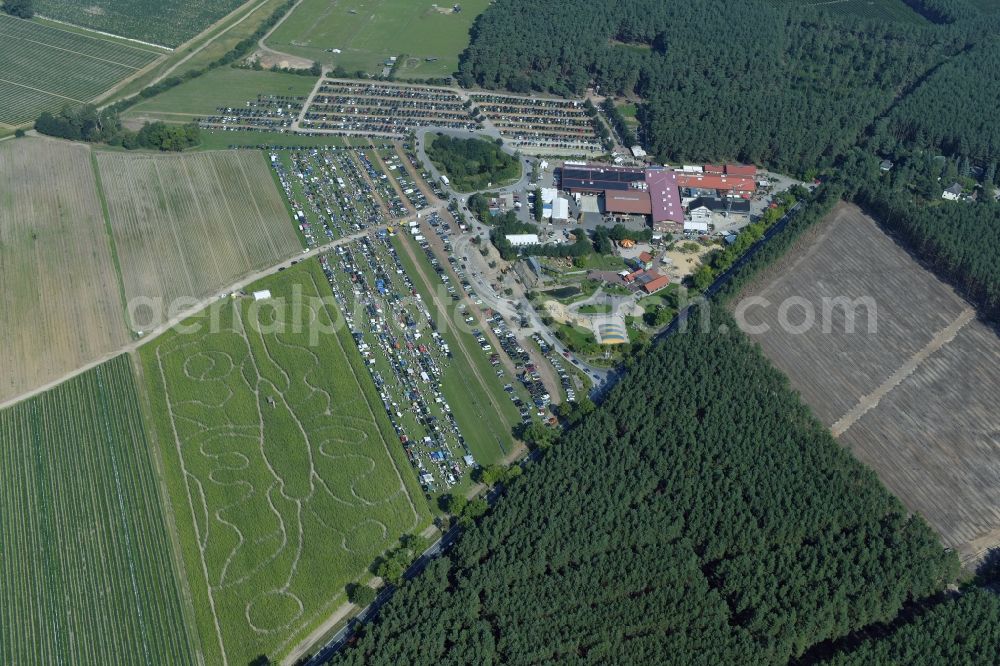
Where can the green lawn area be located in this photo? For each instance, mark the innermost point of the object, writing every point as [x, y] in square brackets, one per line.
[285, 476]
[370, 31]
[603, 262]
[595, 308]
[575, 337]
[222, 87]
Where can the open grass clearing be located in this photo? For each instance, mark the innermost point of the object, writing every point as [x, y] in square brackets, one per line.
[221, 87]
[282, 467]
[369, 32]
[89, 576]
[188, 225]
[61, 298]
[914, 398]
[43, 68]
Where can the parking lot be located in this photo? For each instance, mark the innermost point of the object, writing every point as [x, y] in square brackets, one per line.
[328, 192]
[376, 108]
[546, 123]
[268, 113]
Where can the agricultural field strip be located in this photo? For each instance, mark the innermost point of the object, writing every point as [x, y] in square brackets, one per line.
[920, 373]
[219, 216]
[262, 354]
[98, 525]
[56, 65]
[161, 23]
[60, 298]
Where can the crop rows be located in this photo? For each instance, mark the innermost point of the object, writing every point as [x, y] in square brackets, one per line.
[44, 68]
[60, 299]
[167, 22]
[88, 576]
[186, 226]
[280, 469]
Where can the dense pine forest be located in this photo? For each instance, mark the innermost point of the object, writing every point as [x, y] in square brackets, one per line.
[958, 631]
[763, 81]
[704, 517]
[954, 110]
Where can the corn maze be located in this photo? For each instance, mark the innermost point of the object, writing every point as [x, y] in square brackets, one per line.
[44, 68]
[86, 566]
[282, 466]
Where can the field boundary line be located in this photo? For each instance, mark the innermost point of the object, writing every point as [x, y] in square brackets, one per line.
[185, 597]
[871, 401]
[85, 55]
[102, 197]
[209, 39]
[194, 518]
[44, 92]
[101, 32]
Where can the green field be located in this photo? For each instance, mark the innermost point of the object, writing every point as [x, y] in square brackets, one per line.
[86, 562]
[43, 68]
[166, 22]
[370, 31]
[222, 87]
[283, 470]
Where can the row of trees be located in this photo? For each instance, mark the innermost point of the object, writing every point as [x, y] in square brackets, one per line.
[87, 123]
[20, 8]
[789, 86]
[699, 514]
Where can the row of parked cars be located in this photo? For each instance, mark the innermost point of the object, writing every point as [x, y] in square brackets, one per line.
[404, 353]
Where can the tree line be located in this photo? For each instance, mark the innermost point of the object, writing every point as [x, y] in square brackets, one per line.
[20, 8]
[87, 123]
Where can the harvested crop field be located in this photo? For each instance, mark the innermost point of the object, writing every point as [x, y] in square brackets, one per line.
[915, 397]
[188, 225]
[43, 68]
[60, 299]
